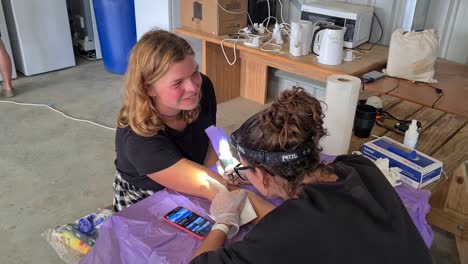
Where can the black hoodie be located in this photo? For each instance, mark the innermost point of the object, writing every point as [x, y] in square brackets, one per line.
[358, 219]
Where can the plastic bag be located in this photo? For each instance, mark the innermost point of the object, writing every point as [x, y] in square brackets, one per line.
[416, 202]
[73, 240]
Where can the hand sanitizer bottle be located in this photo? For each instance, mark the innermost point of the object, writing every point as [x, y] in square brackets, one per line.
[411, 135]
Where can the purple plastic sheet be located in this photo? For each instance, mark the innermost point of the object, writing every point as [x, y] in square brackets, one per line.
[216, 134]
[138, 234]
[416, 202]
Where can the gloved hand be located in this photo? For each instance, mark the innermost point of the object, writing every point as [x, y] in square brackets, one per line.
[226, 208]
[226, 170]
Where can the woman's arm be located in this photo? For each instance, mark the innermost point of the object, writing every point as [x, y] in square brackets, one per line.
[192, 178]
[260, 206]
[226, 207]
[188, 177]
[212, 242]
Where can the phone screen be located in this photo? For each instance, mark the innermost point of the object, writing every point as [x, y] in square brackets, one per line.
[189, 222]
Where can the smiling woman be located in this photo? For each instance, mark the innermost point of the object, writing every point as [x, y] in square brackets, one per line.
[160, 140]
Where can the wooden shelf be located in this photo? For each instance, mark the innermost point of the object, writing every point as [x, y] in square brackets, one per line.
[252, 62]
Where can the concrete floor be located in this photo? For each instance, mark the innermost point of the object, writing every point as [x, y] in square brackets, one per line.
[54, 170]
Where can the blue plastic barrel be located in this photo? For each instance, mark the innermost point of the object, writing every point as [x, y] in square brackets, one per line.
[115, 20]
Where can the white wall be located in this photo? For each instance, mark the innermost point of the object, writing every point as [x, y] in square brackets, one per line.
[446, 16]
[164, 14]
[152, 13]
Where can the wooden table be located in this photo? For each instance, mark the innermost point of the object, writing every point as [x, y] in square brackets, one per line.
[452, 79]
[444, 136]
[249, 75]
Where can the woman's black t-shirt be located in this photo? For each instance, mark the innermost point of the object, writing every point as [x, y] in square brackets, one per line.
[358, 219]
[138, 156]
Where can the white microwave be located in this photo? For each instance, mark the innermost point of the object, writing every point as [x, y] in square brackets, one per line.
[356, 18]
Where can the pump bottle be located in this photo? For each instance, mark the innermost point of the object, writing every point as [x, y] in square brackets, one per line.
[411, 135]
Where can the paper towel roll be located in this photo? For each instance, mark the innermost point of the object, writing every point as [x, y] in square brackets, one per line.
[341, 98]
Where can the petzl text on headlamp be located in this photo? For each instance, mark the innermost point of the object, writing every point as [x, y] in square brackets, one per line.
[275, 158]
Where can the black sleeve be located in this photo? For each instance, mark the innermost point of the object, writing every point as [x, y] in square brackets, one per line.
[151, 154]
[263, 242]
[238, 252]
[210, 100]
[215, 257]
[368, 171]
[377, 185]
[266, 241]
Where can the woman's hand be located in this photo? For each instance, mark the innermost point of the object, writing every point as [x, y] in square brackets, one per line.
[229, 174]
[226, 208]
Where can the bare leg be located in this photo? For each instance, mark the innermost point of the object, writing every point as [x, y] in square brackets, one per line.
[5, 67]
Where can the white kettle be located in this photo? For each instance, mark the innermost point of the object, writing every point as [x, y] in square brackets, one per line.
[327, 44]
[300, 38]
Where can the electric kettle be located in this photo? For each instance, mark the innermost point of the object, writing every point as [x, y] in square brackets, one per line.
[327, 44]
[300, 38]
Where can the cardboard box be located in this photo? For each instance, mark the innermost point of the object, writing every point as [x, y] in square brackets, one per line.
[417, 169]
[208, 17]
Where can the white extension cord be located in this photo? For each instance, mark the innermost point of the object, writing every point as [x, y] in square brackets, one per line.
[254, 40]
[60, 112]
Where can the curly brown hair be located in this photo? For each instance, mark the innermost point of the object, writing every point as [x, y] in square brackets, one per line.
[294, 121]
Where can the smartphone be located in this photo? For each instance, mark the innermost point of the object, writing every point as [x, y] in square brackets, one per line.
[189, 222]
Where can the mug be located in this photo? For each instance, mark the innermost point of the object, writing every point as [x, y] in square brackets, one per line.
[364, 120]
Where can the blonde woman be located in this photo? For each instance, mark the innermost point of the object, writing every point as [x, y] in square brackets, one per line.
[160, 140]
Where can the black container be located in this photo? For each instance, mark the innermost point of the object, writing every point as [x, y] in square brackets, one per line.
[258, 11]
[364, 120]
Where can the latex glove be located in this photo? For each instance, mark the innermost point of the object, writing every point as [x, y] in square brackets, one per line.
[226, 170]
[226, 208]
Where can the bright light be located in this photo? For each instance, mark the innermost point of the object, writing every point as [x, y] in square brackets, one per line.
[224, 150]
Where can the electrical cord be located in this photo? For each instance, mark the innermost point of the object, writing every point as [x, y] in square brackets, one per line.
[398, 85]
[235, 40]
[236, 13]
[266, 27]
[269, 15]
[60, 112]
[438, 98]
[234, 48]
[437, 89]
[381, 34]
[281, 12]
[276, 47]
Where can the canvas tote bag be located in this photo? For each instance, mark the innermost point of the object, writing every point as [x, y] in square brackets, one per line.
[412, 55]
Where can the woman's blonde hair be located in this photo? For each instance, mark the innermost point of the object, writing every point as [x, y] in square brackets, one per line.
[150, 59]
